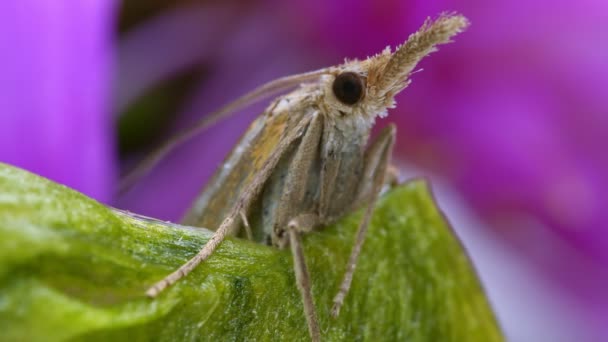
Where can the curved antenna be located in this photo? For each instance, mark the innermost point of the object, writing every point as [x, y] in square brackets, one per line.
[258, 94]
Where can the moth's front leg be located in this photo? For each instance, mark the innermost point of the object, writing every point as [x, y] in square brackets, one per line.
[249, 193]
[377, 161]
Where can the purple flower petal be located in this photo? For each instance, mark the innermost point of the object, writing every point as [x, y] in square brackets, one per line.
[55, 73]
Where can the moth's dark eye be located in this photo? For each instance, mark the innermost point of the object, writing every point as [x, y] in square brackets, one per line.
[348, 88]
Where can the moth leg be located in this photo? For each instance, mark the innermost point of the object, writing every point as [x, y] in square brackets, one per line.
[207, 250]
[227, 225]
[246, 225]
[298, 218]
[377, 160]
[303, 224]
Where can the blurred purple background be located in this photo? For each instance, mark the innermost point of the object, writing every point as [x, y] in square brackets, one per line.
[510, 122]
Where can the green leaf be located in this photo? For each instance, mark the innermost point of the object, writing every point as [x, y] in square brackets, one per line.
[71, 268]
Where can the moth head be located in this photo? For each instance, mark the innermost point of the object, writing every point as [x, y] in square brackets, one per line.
[368, 87]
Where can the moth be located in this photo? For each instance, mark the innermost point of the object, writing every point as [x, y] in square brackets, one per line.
[306, 161]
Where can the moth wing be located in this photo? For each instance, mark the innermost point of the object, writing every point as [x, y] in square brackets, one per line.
[240, 168]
